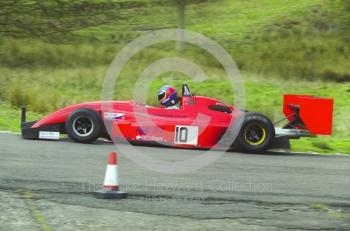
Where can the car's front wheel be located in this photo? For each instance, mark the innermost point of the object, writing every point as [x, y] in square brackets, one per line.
[84, 125]
[256, 134]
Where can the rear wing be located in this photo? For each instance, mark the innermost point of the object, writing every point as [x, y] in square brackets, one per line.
[311, 113]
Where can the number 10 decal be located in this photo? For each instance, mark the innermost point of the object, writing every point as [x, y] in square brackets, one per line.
[186, 135]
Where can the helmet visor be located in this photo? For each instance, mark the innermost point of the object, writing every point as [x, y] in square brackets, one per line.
[161, 96]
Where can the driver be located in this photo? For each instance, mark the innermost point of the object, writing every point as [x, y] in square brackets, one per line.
[167, 97]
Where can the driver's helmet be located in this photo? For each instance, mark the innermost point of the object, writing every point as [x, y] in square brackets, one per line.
[167, 96]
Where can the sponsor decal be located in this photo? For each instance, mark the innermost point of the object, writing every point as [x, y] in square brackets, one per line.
[45, 135]
[171, 116]
[150, 138]
[113, 116]
[142, 131]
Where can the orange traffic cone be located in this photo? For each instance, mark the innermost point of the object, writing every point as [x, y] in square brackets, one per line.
[111, 183]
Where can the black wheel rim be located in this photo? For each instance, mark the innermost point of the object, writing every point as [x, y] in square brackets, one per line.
[82, 126]
[255, 134]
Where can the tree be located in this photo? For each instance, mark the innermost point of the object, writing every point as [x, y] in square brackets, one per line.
[181, 8]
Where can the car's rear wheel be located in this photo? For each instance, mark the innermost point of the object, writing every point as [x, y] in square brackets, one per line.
[256, 134]
[84, 125]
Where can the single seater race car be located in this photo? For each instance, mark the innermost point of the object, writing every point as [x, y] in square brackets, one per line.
[200, 123]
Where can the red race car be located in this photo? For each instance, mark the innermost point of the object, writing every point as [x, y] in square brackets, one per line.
[200, 122]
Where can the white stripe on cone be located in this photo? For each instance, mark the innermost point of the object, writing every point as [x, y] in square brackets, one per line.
[111, 177]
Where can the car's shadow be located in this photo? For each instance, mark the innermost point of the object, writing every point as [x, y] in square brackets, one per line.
[268, 153]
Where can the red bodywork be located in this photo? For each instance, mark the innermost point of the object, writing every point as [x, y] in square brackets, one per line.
[315, 113]
[200, 121]
[156, 124]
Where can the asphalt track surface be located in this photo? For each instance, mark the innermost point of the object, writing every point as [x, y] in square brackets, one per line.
[48, 185]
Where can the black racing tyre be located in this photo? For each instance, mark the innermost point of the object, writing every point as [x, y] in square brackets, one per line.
[256, 134]
[84, 125]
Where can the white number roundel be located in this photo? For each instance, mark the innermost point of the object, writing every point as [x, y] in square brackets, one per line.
[186, 135]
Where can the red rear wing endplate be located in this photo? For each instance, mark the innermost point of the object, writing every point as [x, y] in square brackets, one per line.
[316, 113]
